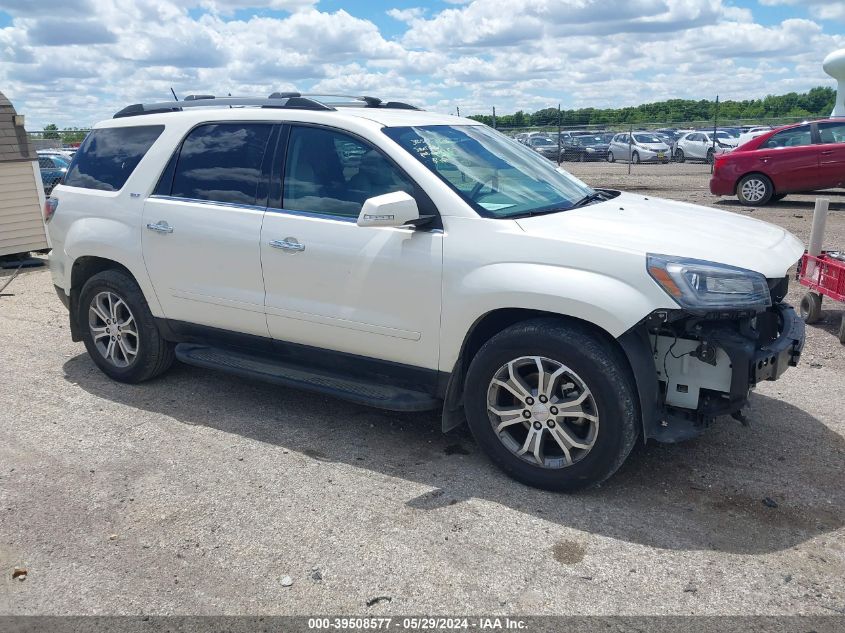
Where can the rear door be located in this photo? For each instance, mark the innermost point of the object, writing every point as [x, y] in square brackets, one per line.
[202, 228]
[832, 154]
[791, 160]
[331, 284]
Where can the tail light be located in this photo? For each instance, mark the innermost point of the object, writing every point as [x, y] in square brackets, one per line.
[50, 206]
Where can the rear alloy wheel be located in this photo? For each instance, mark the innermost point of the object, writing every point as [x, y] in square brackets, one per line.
[754, 189]
[551, 404]
[811, 307]
[118, 329]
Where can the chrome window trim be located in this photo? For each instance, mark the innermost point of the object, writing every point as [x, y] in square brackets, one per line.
[234, 205]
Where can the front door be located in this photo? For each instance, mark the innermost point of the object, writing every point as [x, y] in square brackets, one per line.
[791, 160]
[331, 284]
[202, 229]
[832, 154]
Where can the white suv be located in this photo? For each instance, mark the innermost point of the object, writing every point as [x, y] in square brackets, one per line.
[414, 261]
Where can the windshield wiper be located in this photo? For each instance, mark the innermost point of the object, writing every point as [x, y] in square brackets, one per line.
[590, 197]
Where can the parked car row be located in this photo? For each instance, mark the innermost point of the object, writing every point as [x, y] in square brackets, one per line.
[53, 164]
[659, 146]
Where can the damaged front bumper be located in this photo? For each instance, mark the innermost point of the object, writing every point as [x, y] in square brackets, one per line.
[705, 367]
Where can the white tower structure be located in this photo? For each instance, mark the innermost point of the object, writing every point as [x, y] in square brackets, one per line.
[834, 65]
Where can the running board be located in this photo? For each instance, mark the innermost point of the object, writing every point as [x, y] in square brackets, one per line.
[290, 375]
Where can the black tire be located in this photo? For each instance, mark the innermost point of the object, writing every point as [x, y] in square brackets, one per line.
[635, 158]
[679, 155]
[760, 183]
[154, 354]
[581, 157]
[811, 307]
[610, 157]
[842, 330]
[602, 369]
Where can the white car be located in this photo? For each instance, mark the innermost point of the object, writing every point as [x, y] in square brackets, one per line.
[753, 133]
[415, 261]
[639, 147]
[700, 146]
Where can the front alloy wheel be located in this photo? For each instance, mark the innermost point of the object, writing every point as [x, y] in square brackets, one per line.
[113, 329]
[534, 395]
[542, 412]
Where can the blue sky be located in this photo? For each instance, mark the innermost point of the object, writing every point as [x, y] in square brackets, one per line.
[74, 62]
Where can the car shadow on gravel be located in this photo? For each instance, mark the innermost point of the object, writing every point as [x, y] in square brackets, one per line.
[751, 490]
[837, 203]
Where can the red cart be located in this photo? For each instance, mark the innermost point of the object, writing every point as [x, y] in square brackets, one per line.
[824, 276]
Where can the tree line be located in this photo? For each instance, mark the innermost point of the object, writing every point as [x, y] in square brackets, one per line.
[817, 102]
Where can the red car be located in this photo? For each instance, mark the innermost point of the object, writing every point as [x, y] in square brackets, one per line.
[801, 157]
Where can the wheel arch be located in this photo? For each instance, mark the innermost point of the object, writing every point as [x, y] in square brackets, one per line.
[81, 270]
[491, 323]
[754, 173]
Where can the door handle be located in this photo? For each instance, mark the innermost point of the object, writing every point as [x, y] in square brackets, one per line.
[160, 227]
[827, 152]
[288, 244]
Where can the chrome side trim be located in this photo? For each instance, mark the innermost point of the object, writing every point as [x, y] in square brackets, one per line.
[213, 203]
[311, 214]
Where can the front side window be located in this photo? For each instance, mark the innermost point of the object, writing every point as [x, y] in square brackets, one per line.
[496, 177]
[221, 163]
[793, 137]
[332, 173]
[108, 156]
[832, 132]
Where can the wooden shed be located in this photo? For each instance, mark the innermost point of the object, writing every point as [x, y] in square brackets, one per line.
[21, 192]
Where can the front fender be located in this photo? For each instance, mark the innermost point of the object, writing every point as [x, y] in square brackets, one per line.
[608, 303]
[113, 240]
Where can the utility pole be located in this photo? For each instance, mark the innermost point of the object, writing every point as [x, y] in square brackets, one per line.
[715, 125]
[558, 134]
[459, 110]
[494, 117]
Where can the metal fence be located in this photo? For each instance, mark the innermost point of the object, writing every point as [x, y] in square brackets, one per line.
[646, 143]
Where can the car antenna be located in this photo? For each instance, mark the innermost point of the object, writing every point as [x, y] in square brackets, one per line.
[174, 93]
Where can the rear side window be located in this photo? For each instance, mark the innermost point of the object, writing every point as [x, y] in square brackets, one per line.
[222, 162]
[108, 156]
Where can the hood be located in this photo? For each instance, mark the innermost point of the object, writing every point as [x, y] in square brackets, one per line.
[640, 224]
[654, 147]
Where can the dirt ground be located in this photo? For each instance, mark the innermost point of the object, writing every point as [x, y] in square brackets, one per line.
[198, 493]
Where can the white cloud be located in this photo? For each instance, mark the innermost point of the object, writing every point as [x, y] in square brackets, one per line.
[820, 9]
[515, 55]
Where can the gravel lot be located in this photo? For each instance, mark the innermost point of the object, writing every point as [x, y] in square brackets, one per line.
[199, 492]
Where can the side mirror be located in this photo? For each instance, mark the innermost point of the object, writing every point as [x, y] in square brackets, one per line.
[391, 209]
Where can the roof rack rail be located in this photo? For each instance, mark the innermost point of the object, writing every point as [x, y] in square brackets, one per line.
[355, 101]
[291, 100]
[203, 101]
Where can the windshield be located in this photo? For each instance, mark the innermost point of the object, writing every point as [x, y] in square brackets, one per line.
[725, 135]
[496, 176]
[590, 140]
[647, 138]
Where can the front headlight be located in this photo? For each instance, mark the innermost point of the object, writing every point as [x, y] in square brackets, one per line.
[703, 285]
[590, 150]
